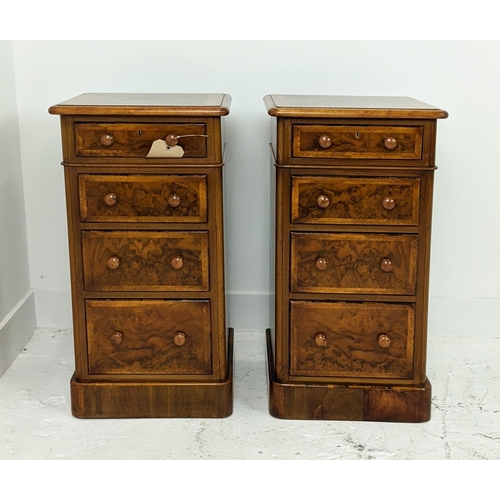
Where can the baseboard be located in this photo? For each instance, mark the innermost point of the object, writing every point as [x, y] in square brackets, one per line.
[448, 316]
[16, 330]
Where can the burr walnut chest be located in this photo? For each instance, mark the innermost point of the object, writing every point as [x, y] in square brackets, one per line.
[352, 195]
[144, 194]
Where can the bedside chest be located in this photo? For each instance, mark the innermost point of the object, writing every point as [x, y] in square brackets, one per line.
[352, 193]
[144, 189]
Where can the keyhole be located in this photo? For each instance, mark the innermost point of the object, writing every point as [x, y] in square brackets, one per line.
[139, 132]
[357, 135]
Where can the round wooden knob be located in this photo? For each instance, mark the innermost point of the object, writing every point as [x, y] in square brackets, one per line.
[177, 262]
[390, 143]
[386, 265]
[384, 341]
[320, 339]
[174, 200]
[321, 264]
[388, 203]
[113, 262]
[110, 199]
[172, 140]
[116, 338]
[323, 201]
[179, 338]
[325, 142]
[107, 139]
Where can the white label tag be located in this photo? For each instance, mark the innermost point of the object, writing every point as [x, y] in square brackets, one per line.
[160, 149]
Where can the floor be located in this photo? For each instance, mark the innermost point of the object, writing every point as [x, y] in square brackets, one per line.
[36, 421]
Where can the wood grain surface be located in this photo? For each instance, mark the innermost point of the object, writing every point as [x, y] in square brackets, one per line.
[158, 399]
[143, 198]
[135, 139]
[356, 142]
[353, 263]
[145, 259]
[350, 106]
[144, 104]
[352, 331]
[148, 329]
[353, 200]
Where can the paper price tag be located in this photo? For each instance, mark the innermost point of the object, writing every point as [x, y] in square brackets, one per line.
[160, 149]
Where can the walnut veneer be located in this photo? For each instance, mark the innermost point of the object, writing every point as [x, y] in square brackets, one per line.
[147, 254]
[352, 194]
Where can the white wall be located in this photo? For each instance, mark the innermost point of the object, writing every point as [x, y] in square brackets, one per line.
[17, 312]
[460, 77]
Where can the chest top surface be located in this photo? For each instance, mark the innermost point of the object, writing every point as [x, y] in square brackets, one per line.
[312, 106]
[145, 104]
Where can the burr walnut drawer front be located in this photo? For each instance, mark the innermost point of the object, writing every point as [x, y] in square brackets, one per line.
[149, 337]
[353, 263]
[357, 142]
[143, 198]
[145, 260]
[349, 200]
[342, 339]
[134, 140]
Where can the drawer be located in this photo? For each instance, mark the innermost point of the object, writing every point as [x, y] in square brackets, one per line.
[143, 198]
[342, 339]
[145, 260]
[344, 200]
[357, 142]
[134, 140]
[353, 263]
[148, 337]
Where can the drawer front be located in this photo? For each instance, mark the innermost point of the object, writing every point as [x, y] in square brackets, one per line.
[357, 142]
[353, 263]
[145, 260]
[341, 339]
[134, 140]
[143, 198]
[148, 337]
[341, 200]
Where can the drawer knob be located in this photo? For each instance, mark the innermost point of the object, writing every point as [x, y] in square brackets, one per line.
[320, 339]
[110, 199]
[116, 338]
[113, 262]
[174, 200]
[179, 338]
[388, 203]
[177, 262]
[325, 142]
[321, 264]
[390, 143]
[386, 265]
[173, 139]
[107, 139]
[384, 341]
[323, 201]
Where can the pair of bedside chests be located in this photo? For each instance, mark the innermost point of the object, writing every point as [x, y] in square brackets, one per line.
[352, 182]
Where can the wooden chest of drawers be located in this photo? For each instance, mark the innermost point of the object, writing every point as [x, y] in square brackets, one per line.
[144, 189]
[352, 196]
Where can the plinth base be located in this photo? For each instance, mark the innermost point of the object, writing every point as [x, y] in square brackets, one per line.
[316, 401]
[155, 399]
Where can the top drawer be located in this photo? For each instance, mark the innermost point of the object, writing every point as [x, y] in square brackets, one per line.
[357, 142]
[134, 140]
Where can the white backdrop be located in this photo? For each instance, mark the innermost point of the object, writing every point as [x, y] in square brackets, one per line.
[460, 77]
